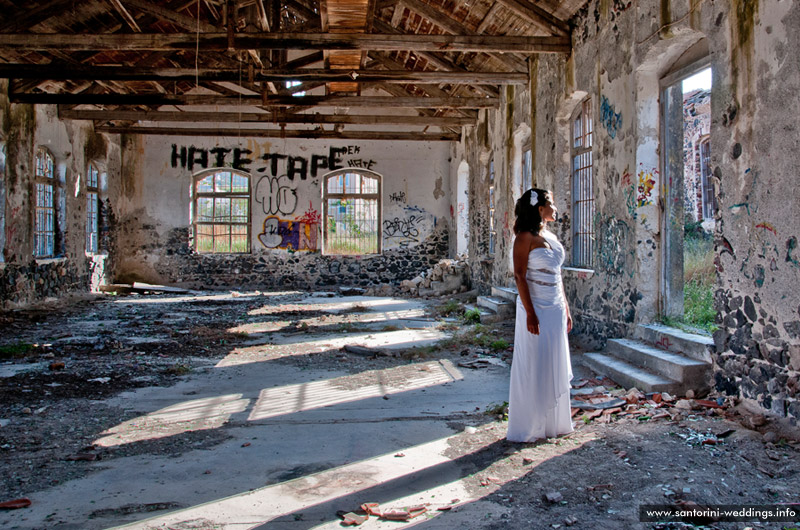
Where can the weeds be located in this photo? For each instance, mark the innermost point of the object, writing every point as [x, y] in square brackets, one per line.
[472, 316]
[449, 308]
[499, 345]
[500, 410]
[11, 351]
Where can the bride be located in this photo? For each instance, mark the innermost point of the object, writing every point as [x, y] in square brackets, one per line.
[539, 398]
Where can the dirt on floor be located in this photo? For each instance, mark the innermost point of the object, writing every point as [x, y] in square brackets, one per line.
[59, 362]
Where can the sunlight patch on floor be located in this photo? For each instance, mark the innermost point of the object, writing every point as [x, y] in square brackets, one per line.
[188, 416]
[315, 495]
[375, 383]
[313, 322]
[288, 346]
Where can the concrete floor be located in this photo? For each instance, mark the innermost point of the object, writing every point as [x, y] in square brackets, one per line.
[304, 442]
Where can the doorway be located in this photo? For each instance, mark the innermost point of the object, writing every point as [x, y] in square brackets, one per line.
[689, 199]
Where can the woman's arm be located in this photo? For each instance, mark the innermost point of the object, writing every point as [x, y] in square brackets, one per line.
[522, 247]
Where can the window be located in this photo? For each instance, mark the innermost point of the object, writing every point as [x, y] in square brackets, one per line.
[221, 211]
[582, 187]
[351, 208]
[709, 200]
[492, 231]
[44, 230]
[92, 208]
[527, 171]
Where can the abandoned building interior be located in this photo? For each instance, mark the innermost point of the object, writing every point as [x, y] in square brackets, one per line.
[252, 145]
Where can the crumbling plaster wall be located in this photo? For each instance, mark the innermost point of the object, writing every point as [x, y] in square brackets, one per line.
[153, 241]
[621, 51]
[23, 278]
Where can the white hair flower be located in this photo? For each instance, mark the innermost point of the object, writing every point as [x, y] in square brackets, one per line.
[534, 198]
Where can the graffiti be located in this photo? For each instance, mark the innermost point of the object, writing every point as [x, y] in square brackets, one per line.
[647, 182]
[627, 178]
[791, 246]
[361, 163]
[767, 226]
[275, 196]
[664, 343]
[399, 196]
[196, 158]
[615, 254]
[438, 193]
[402, 228]
[611, 120]
[311, 216]
[630, 200]
[289, 235]
[736, 207]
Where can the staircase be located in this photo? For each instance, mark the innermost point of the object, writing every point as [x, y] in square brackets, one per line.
[657, 359]
[500, 305]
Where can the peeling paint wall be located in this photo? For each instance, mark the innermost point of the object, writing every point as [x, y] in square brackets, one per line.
[621, 53]
[153, 211]
[24, 279]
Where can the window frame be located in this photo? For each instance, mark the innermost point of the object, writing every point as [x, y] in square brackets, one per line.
[195, 215]
[582, 184]
[377, 197]
[44, 186]
[707, 196]
[92, 207]
[491, 203]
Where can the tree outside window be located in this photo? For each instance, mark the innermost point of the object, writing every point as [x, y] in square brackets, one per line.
[352, 214]
[221, 212]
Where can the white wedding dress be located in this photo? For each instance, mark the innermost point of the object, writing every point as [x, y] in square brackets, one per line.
[539, 398]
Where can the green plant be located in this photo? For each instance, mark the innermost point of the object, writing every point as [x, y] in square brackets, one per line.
[498, 409]
[499, 345]
[472, 316]
[20, 349]
[448, 308]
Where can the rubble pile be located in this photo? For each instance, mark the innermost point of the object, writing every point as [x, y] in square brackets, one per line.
[446, 277]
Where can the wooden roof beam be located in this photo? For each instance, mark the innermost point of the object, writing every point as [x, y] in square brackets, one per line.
[537, 16]
[218, 41]
[281, 133]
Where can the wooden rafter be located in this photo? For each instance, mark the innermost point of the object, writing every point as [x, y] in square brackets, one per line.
[281, 133]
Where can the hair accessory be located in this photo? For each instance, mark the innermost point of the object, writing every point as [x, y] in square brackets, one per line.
[534, 198]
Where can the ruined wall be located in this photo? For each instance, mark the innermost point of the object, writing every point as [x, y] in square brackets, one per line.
[24, 279]
[754, 146]
[152, 239]
[621, 52]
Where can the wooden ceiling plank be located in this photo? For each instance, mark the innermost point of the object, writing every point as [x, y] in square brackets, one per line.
[280, 133]
[28, 18]
[125, 14]
[262, 117]
[537, 16]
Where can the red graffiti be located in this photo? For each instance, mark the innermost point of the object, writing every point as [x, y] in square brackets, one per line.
[505, 221]
[664, 343]
[452, 213]
[767, 226]
[626, 178]
[311, 216]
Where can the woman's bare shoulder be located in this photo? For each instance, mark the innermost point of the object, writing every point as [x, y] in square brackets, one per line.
[529, 240]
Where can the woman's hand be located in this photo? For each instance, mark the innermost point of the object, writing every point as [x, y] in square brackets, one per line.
[569, 322]
[533, 323]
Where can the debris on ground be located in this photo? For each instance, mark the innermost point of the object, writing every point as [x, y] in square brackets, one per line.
[15, 504]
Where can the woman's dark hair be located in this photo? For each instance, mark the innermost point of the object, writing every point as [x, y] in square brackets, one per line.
[528, 217]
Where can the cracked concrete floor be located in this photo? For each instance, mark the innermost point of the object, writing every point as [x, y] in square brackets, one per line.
[263, 420]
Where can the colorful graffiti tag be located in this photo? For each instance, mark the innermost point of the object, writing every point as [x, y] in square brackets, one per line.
[615, 253]
[611, 120]
[647, 182]
[293, 235]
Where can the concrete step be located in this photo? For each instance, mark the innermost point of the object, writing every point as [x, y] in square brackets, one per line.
[691, 372]
[509, 293]
[699, 347]
[629, 376]
[501, 306]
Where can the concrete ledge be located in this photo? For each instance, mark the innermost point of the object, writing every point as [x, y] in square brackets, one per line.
[697, 347]
[690, 372]
[630, 376]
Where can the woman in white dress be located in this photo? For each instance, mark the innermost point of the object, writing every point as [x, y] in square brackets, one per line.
[539, 397]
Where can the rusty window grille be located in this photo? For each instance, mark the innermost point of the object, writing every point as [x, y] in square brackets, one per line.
[44, 229]
[709, 199]
[221, 211]
[582, 187]
[92, 208]
[351, 204]
[492, 231]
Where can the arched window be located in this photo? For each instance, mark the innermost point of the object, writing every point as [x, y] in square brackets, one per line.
[44, 229]
[92, 208]
[582, 186]
[221, 212]
[351, 202]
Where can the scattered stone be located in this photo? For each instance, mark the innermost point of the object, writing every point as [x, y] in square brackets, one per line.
[470, 429]
[684, 404]
[553, 497]
[570, 520]
[770, 437]
[527, 461]
[27, 410]
[57, 365]
[689, 394]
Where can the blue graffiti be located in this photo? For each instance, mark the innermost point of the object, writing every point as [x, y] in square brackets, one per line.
[611, 120]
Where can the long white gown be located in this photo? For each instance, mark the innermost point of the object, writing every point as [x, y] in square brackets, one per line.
[539, 396]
